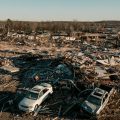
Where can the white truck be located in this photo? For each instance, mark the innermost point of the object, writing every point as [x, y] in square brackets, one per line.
[97, 100]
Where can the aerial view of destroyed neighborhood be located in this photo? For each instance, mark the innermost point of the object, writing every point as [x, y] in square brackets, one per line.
[57, 63]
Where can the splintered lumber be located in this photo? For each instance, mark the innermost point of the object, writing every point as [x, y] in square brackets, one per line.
[117, 102]
[8, 84]
[37, 111]
[59, 112]
[55, 103]
[69, 108]
[56, 118]
[111, 115]
[2, 110]
[4, 98]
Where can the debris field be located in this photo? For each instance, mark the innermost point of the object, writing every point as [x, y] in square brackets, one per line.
[70, 72]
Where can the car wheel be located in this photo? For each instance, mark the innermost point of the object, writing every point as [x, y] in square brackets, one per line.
[36, 107]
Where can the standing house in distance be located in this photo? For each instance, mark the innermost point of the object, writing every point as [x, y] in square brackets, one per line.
[59, 35]
[93, 37]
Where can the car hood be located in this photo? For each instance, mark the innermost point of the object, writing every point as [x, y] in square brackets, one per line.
[90, 107]
[27, 102]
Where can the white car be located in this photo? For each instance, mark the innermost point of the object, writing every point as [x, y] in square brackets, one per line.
[35, 97]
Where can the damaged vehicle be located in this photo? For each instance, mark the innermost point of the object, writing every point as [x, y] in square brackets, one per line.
[96, 101]
[35, 97]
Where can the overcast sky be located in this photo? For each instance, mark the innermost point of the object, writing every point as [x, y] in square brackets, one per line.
[43, 10]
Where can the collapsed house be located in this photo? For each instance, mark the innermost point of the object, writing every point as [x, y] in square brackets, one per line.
[73, 74]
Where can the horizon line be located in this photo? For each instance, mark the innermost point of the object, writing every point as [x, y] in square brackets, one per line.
[16, 20]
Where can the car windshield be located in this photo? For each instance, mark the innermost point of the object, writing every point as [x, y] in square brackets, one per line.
[94, 100]
[32, 95]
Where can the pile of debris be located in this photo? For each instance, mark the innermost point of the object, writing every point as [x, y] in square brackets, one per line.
[83, 82]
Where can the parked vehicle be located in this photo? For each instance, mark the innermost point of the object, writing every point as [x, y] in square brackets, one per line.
[35, 97]
[97, 100]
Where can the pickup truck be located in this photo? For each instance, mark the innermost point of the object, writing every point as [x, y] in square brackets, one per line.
[97, 100]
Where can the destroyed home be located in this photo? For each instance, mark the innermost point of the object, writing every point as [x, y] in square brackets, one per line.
[93, 37]
[59, 35]
[59, 76]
